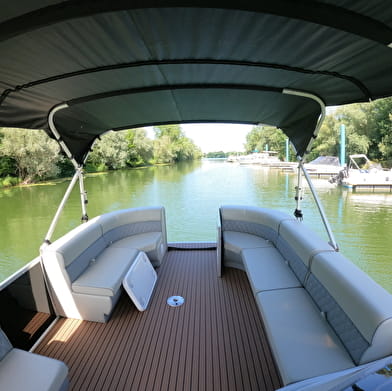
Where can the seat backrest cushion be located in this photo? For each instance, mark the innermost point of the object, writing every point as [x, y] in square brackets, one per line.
[75, 250]
[298, 245]
[357, 308]
[261, 222]
[120, 224]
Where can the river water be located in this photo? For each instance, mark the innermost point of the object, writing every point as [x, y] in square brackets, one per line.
[192, 193]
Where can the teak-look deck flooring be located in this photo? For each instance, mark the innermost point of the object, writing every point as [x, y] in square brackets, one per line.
[215, 341]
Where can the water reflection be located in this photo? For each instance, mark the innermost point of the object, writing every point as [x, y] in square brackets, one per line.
[192, 193]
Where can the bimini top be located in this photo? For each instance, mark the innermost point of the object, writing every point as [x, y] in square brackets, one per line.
[124, 64]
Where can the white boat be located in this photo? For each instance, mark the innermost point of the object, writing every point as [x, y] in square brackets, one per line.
[267, 306]
[363, 175]
[324, 166]
[265, 158]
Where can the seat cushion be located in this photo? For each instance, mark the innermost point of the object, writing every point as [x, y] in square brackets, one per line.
[303, 343]
[267, 269]
[236, 241]
[146, 242]
[21, 370]
[104, 275]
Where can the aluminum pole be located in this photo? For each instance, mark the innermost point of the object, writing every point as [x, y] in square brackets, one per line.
[298, 195]
[301, 163]
[342, 144]
[324, 218]
[83, 196]
[60, 208]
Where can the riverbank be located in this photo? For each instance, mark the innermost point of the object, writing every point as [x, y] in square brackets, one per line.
[10, 182]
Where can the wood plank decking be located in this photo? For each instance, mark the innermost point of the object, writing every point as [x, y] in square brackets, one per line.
[215, 341]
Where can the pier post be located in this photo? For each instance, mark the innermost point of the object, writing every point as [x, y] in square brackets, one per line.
[287, 149]
[342, 144]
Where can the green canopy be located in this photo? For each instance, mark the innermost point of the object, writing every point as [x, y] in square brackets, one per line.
[124, 64]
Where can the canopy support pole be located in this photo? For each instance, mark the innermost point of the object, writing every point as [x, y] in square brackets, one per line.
[298, 195]
[83, 196]
[61, 207]
[331, 236]
[301, 169]
[77, 176]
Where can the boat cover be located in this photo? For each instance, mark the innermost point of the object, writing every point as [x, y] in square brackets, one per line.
[126, 64]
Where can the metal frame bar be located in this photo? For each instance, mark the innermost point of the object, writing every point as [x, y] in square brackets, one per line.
[57, 135]
[77, 176]
[61, 207]
[83, 196]
[321, 118]
[327, 226]
[298, 197]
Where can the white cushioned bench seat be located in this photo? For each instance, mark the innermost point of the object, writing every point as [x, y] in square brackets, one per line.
[149, 242]
[268, 270]
[322, 314]
[86, 266]
[304, 345]
[105, 274]
[235, 242]
[246, 227]
[140, 228]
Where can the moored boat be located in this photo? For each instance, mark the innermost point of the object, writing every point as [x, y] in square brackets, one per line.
[363, 175]
[265, 158]
[324, 166]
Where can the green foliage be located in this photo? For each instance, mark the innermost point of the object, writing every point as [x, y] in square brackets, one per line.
[7, 166]
[35, 155]
[261, 137]
[66, 168]
[110, 152]
[217, 155]
[171, 145]
[368, 131]
[140, 147]
[9, 181]
[32, 155]
[163, 150]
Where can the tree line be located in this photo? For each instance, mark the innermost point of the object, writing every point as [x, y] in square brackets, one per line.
[29, 156]
[368, 128]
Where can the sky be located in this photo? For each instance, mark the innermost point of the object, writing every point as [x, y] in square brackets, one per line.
[216, 137]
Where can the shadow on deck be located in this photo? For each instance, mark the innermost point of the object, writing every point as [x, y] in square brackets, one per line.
[215, 341]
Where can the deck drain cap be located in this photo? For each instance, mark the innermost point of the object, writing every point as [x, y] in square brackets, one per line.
[175, 301]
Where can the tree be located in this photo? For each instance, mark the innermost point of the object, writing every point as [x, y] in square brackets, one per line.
[171, 145]
[111, 151]
[326, 143]
[7, 166]
[261, 137]
[163, 152]
[35, 155]
[140, 147]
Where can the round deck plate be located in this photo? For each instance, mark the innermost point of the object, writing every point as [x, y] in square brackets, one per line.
[175, 301]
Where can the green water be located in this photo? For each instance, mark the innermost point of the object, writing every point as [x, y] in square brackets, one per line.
[192, 194]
